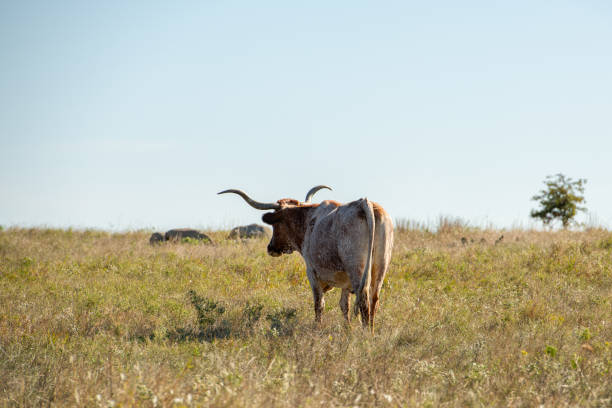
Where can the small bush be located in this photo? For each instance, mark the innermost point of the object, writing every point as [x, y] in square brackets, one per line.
[586, 335]
[251, 314]
[207, 310]
[282, 322]
[191, 241]
[559, 200]
[605, 243]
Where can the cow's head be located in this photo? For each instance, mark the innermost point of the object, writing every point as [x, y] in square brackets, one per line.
[287, 220]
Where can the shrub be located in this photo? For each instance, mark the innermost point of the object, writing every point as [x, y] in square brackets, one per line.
[559, 200]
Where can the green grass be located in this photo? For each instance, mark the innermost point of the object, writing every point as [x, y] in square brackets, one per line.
[90, 318]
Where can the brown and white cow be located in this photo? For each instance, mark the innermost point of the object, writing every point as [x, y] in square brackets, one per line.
[345, 246]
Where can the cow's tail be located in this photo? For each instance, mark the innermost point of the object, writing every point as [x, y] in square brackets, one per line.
[362, 301]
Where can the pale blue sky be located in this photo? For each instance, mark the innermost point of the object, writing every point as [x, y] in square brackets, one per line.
[124, 115]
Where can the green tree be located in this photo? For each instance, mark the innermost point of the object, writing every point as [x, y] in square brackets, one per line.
[559, 200]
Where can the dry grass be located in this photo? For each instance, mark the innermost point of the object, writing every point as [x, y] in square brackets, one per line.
[89, 318]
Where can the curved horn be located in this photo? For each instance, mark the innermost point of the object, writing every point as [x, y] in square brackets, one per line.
[251, 202]
[313, 190]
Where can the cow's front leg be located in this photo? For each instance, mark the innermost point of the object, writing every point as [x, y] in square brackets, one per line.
[344, 304]
[317, 294]
[319, 302]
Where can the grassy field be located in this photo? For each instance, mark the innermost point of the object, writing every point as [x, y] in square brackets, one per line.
[90, 318]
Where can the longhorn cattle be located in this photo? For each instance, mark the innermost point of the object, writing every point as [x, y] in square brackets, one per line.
[178, 234]
[346, 246]
[249, 231]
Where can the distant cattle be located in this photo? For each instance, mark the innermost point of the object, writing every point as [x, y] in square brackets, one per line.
[249, 231]
[180, 233]
[177, 235]
[156, 238]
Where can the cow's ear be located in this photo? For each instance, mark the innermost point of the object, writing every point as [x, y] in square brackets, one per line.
[271, 217]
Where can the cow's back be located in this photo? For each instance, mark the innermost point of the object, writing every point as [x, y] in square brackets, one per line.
[336, 243]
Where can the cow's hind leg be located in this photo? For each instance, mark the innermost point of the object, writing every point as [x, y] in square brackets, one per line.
[373, 308]
[344, 304]
[378, 274]
[317, 294]
[364, 308]
[362, 302]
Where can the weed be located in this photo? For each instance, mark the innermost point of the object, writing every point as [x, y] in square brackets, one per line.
[282, 322]
[585, 335]
[551, 351]
[207, 310]
[605, 243]
[252, 314]
[193, 241]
